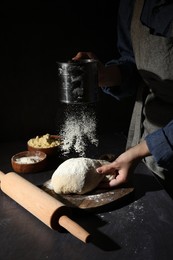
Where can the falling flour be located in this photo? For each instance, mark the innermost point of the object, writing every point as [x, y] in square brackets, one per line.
[78, 130]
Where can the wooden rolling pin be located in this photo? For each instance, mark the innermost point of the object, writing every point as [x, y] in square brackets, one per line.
[43, 206]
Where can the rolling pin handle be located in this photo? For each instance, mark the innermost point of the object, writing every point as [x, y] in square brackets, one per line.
[1, 176]
[74, 229]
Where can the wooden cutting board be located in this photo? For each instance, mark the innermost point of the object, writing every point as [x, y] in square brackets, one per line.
[95, 199]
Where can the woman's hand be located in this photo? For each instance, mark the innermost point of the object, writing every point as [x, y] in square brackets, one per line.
[123, 166]
[85, 55]
[107, 76]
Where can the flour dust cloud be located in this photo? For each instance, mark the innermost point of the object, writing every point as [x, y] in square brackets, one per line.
[79, 129]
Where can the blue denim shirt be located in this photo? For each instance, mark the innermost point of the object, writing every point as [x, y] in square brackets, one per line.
[160, 142]
[126, 60]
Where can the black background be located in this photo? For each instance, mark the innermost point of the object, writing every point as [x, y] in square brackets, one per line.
[33, 37]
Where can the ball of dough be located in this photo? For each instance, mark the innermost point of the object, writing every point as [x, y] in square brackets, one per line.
[77, 175]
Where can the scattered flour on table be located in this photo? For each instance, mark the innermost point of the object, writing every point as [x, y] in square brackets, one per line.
[78, 130]
[136, 209]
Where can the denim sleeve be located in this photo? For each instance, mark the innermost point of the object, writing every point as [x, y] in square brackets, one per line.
[160, 144]
[126, 60]
[130, 78]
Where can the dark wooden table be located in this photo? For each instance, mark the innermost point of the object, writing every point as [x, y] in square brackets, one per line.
[139, 226]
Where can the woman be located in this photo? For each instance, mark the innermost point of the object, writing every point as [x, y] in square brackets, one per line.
[145, 44]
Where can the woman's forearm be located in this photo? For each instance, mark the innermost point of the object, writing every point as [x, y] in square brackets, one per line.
[139, 151]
